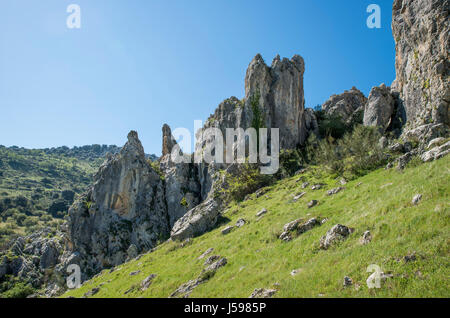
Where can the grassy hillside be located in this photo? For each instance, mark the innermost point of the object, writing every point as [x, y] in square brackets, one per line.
[38, 186]
[379, 202]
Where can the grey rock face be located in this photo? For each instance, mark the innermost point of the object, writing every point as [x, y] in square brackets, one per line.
[346, 104]
[379, 108]
[168, 141]
[280, 87]
[50, 254]
[421, 30]
[311, 123]
[126, 205]
[425, 133]
[32, 256]
[181, 181]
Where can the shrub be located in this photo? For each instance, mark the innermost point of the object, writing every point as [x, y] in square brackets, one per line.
[355, 154]
[290, 162]
[330, 125]
[247, 181]
[20, 290]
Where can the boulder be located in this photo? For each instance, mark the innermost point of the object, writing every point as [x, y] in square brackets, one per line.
[261, 212]
[147, 282]
[298, 196]
[379, 108]
[227, 230]
[197, 221]
[263, 293]
[347, 281]
[207, 252]
[335, 190]
[366, 238]
[345, 105]
[297, 227]
[416, 199]
[312, 203]
[336, 233]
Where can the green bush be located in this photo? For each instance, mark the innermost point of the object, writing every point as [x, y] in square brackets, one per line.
[355, 154]
[248, 180]
[290, 162]
[20, 290]
[330, 125]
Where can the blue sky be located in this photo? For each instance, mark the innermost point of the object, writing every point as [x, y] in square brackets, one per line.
[136, 64]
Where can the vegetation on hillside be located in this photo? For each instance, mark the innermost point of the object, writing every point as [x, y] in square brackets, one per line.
[38, 186]
[409, 242]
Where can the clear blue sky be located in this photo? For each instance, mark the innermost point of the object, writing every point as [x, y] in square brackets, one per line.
[136, 64]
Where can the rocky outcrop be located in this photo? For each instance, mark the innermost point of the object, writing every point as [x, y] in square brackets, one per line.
[345, 105]
[168, 141]
[425, 133]
[126, 205]
[379, 108]
[29, 258]
[311, 123]
[436, 152]
[337, 233]
[287, 99]
[181, 182]
[281, 101]
[421, 30]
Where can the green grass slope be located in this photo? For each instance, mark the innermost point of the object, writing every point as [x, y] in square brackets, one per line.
[379, 202]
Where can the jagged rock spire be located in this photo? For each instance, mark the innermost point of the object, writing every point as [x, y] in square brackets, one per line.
[282, 98]
[168, 142]
[133, 145]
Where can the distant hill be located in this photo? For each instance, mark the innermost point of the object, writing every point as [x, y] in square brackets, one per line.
[37, 186]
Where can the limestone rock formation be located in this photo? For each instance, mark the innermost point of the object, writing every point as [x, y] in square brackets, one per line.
[168, 141]
[311, 123]
[126, 205]
[181, 183]
[29, 257]
[421, 30]
[346, 104]
[379, 108]
[281, 101]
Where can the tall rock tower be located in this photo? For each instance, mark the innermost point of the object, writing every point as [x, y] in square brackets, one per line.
[421, 31]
